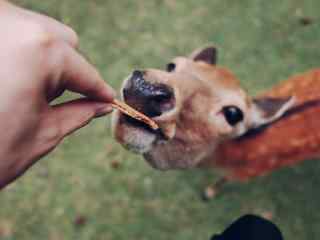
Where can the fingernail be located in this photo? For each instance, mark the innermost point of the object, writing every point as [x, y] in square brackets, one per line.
[113, 94]
[102, 110]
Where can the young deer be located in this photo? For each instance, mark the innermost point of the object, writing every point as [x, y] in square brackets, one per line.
[208, 120]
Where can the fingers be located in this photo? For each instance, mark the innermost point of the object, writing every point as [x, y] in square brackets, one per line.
[71, 116]
[57, 29]
[61, 31]
[77, 74]
[80, 76]
[60, 121]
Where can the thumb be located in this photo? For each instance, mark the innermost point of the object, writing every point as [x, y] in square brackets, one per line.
[62, 120]
[73, 115]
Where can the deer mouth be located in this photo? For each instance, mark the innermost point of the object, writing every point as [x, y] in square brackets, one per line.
[151, 99]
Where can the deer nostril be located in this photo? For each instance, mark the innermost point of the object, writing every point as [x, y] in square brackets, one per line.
[137, 74]
[162, 100]
[162, 95]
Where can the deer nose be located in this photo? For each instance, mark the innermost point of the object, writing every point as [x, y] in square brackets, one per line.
[146, 97]
[137, 74]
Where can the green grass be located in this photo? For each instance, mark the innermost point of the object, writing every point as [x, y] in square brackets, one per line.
[262, 41]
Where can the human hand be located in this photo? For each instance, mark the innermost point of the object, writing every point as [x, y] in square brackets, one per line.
[39, 62]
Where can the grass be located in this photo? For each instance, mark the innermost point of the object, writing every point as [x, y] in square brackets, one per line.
[78, 193]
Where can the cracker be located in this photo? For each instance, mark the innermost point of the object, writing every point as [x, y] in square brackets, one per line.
[126, 109]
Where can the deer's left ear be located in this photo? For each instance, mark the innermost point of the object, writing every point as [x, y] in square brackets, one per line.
[207, 55]
[266, 110]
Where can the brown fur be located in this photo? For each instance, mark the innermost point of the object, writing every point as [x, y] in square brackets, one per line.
[294, 138]
[198, 134]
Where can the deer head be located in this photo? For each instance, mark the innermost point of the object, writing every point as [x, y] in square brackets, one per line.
[197, 105]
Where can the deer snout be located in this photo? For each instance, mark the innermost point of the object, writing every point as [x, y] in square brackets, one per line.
[152, 99]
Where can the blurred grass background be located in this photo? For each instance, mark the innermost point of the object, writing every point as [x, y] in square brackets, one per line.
[90, 188]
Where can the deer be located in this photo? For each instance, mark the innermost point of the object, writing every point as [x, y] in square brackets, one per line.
[207, 120]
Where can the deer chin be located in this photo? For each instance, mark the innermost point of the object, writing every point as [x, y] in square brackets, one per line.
[160, 152]
[165, 163]
[175, 154]
[136, 136]
[132, 134]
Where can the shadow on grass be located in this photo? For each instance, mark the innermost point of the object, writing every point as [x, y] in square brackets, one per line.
[289, 197]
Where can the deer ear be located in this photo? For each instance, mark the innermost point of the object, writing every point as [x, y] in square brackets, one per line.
[266, 110]
[207, 55]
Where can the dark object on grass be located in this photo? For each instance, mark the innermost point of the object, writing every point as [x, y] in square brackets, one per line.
[80, 221]
[250, 227]
[115, 164]
[305, 21]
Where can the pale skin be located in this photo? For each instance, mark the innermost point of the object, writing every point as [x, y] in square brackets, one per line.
[39, 61]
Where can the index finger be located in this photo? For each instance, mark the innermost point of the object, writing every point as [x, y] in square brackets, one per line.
[81, 77]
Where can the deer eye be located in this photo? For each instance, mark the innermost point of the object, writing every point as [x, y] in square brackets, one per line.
[171, 67]
[233, 115]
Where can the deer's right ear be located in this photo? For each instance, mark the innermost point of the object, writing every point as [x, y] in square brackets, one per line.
[207, 55]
